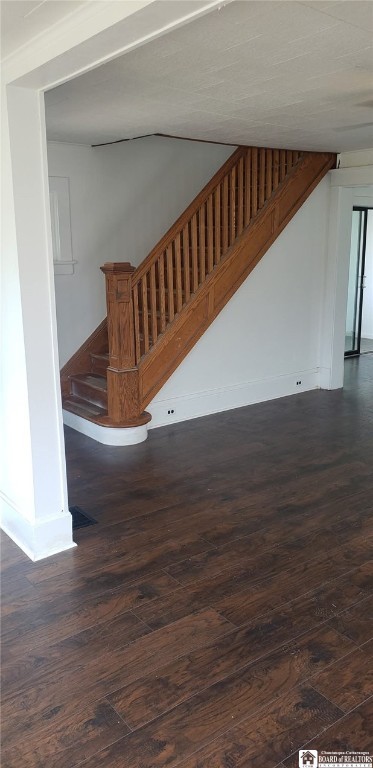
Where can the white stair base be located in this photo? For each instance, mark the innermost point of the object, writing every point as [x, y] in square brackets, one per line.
[106, 435]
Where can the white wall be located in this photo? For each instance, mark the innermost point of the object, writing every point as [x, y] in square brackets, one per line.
[33, 495]
[268, 336]
[367, 318]
[123, 198]
[14, 407]
[356, 159]
[352, 276]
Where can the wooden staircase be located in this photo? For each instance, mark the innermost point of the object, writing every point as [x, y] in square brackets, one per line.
[157, 312]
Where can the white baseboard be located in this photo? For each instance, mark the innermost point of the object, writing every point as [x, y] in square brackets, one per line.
[106, 435]
[224, 399]
[40, 539]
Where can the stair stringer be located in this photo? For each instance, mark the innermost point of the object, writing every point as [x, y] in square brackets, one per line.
[175, 343]
[80, 361]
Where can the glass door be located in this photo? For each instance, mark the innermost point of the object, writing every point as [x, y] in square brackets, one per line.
[356, 282]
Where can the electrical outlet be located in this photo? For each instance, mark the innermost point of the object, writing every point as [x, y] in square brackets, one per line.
[170, 411]
[298, 382]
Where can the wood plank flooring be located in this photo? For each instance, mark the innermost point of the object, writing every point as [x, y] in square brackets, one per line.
[220, 613]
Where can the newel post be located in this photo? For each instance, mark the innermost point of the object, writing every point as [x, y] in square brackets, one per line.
[120, 314]
[122, 374]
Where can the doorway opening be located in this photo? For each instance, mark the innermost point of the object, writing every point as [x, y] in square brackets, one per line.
[359, 315]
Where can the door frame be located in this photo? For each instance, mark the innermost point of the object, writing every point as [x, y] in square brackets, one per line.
[360, 290]
[349, 187]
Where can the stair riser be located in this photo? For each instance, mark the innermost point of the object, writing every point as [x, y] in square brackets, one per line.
[86, 391]
[99, 366]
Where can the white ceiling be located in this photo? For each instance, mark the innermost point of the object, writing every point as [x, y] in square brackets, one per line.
[266, 72]
[23, 20]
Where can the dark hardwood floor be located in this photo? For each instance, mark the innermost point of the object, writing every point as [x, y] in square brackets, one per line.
[220, 613]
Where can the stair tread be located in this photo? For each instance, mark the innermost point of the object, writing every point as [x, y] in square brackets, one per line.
[92, 379]
[100, 355]
[82, 407]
